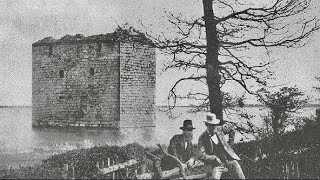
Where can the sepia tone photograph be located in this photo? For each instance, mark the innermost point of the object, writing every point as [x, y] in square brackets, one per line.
[159, 89]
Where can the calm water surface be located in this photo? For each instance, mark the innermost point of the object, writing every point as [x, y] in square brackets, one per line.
[22, 144]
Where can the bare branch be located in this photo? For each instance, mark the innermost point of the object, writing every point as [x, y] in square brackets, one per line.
[241, 28]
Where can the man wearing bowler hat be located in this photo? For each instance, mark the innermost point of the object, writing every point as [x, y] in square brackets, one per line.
[214, 149]
[181, 147]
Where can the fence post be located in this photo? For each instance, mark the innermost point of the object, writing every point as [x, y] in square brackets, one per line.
[293, 169]
[108, 162]
[127, 172]
[136, 172]
[143, 169]
[318, 116]
[113, 173]
[102, 164]
[73, 173]
[287, 171]
[65, 171]
[298, 170]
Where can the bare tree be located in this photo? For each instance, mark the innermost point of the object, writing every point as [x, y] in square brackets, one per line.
[219, 44]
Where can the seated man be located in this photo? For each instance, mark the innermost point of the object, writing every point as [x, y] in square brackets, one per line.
[214, 149]
[180, 147]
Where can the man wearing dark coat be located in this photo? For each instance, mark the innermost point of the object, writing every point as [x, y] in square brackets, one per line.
[181, 147]
[214, 149]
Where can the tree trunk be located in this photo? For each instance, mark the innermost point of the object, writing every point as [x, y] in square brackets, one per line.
[212, 61]
[276, 132]
[275, 119]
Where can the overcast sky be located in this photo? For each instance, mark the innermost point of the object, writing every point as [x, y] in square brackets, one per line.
[24, 22]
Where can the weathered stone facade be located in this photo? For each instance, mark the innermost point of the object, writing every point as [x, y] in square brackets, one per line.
[100, 81]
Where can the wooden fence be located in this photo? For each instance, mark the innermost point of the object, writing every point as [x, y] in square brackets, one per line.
[108, 168]
[284, 166]
[288, 166]
[111, 169]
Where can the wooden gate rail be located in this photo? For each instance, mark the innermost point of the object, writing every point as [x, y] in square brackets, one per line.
[117, 167]
[103, 167]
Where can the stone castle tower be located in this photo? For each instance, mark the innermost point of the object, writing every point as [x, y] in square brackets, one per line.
[99, 81]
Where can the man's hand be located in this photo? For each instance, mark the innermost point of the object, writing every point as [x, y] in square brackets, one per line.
[190, 162]
[214, 158]
[219, 161]
[184, 166]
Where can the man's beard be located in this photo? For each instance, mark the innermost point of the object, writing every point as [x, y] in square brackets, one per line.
[189, 137]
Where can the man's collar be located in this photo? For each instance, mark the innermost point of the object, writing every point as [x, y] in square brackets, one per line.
[209, 133]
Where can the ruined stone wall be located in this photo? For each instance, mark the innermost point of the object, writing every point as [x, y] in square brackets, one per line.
[137, 85]
[100, 81]
[76, 84]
